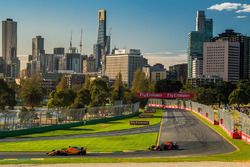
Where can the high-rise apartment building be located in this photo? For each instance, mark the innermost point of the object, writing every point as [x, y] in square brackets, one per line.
[222, 59]
[9, 49]
[125, 61]
[231, 36]
[37, 48]
[203, 33]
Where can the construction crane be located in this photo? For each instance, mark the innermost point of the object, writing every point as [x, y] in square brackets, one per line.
[81, 43]
[70, 44]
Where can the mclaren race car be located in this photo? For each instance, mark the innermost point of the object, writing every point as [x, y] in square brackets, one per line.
[169, 145]
[68, 151]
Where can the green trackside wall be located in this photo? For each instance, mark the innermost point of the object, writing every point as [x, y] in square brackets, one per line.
[4, 134]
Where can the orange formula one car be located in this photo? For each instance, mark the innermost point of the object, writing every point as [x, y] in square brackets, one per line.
[169, 145]
[68, 151]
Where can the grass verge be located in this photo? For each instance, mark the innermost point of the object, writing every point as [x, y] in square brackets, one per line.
[101, 127]
[97, 144]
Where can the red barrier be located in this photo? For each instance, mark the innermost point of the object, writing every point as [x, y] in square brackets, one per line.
[227, 131]
[245, 137]
[236, 134]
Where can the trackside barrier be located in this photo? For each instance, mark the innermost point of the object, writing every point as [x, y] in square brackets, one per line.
[201, 109]
[12, 120]
[226, 119]
[245, 126]
[245, 137]
[63, 126]
[227, 122]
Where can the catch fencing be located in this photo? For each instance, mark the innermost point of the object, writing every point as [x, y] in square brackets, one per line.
[201, 109]
[11, 120]
[226, 121]
[244, 124]
[236, 128]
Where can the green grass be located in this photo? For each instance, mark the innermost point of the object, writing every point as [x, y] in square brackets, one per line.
[98, 144]
[101, 127]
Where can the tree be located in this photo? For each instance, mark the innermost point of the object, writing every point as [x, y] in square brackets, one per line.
[240, 95]
[82, 99]
[87, 83]
[52, 102]
[7, 95]
[206, 95]
[99, 91]
[31, 91]
[168, 86]
[118, 88]
[128, 97]
[62, 84]
[223, 90]
[65, 98]
[140, 82]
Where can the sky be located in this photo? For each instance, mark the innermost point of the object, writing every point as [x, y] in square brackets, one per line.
[158, 27]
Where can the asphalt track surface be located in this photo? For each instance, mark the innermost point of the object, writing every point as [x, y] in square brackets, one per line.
[192, 136]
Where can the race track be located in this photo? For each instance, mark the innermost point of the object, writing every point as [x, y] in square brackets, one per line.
[192, 136]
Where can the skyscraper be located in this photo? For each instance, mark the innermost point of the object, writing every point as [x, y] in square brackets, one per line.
[101, 39]
[203, 33]
[102, 48]
[9, 48]
[200, 21]
[37, 47]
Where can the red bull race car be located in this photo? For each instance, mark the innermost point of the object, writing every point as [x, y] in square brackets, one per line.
[68, 151]
[169, 145]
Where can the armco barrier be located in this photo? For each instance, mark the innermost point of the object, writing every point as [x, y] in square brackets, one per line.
[62, 126]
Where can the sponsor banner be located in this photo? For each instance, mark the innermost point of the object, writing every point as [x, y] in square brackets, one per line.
[149, 111]
[145, 95]
[146, 116]
[139, 122]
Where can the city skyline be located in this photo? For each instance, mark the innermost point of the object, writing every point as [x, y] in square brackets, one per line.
[159, 29]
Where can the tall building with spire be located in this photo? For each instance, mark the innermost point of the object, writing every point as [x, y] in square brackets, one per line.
[9, 49]
[102, 47]
[203, 33]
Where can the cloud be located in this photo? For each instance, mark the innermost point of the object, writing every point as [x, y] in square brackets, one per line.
[241, 17]
[228, 6]
[245, 8]
[166, 58]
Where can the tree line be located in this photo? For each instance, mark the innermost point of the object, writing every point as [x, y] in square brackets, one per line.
[99, 92]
